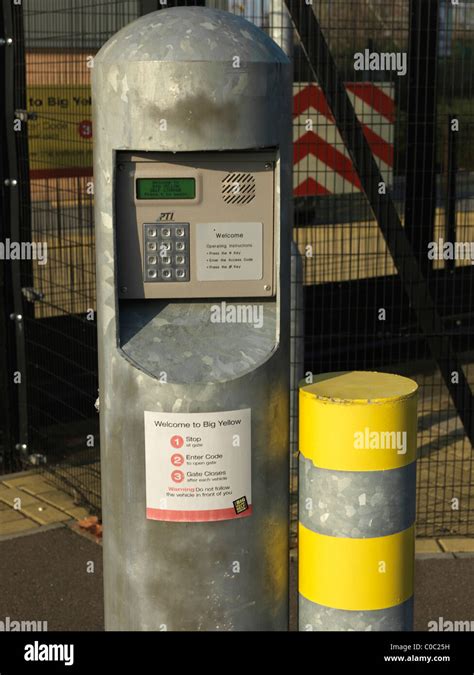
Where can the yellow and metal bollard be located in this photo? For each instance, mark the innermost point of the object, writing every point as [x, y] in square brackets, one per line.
[357, 477]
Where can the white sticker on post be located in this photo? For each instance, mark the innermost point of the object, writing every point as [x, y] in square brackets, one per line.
[198, 466]
[229, 251]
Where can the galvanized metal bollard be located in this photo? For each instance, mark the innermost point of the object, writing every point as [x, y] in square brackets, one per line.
[192, 126]
[357, 502]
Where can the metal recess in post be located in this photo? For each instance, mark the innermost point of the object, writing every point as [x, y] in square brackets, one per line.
[192, 170]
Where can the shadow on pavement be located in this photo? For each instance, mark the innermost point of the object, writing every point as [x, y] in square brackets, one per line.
[45, 577]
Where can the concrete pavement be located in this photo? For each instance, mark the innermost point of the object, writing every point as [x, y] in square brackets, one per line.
[55, 575]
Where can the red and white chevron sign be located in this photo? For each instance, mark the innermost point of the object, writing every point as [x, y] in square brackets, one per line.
[321, 163]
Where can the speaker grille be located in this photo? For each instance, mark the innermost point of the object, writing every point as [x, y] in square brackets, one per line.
[238, 188]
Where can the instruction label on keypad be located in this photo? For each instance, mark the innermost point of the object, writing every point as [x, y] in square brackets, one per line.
[229, 251]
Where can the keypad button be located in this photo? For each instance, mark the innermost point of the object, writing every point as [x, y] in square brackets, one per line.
[165, 252]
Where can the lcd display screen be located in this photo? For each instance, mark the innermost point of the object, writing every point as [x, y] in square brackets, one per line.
[166, 188]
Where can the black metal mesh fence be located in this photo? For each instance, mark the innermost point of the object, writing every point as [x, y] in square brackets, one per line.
[61, 38]
[357, 312]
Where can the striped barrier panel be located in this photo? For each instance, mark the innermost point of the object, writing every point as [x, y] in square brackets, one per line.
[321, 163]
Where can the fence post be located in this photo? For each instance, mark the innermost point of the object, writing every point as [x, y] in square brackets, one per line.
[420, 174]
[450, 203]
[15, 198]
[8, 408]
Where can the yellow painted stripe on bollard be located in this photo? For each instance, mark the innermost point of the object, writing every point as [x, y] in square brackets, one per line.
[356, 574]
[358, 421]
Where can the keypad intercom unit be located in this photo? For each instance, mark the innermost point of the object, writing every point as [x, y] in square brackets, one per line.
[195, 225]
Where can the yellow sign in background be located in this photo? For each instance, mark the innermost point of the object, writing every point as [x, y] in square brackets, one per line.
[60, 137]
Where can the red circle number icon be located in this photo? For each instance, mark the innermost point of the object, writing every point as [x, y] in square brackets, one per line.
[177, 459]
[85, 129]
[177, 476]
[177, 441]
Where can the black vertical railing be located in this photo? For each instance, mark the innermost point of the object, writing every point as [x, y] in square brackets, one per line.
[8, 402]
[15, 190]
[420, 172]
[450, 199]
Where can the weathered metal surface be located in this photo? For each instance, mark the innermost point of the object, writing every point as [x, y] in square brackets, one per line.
[179, 65]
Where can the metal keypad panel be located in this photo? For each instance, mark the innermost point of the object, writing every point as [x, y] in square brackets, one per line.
[166, 252]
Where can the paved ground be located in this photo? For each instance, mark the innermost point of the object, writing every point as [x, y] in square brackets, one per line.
[444, 588]
[29, 501]
[56, 576]
[44, 576]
